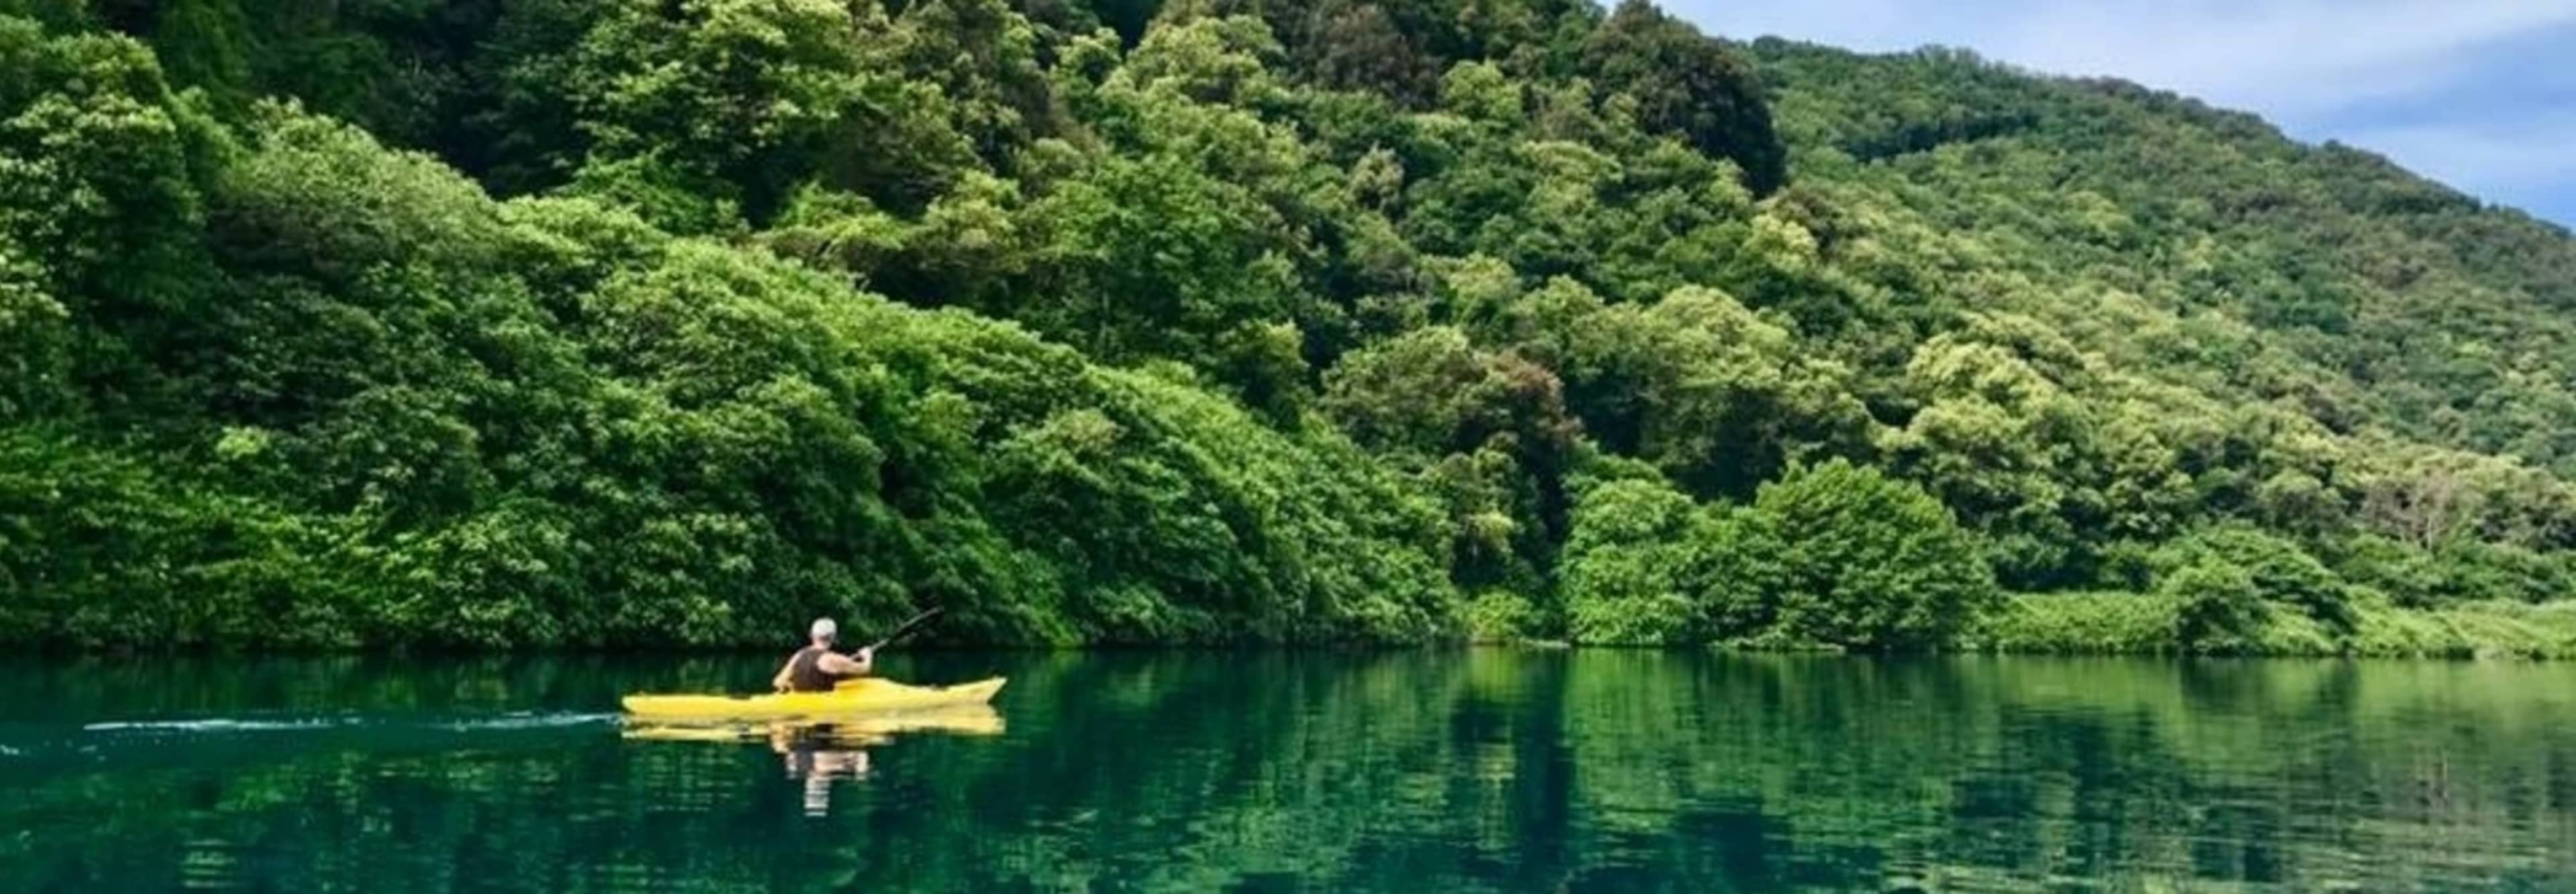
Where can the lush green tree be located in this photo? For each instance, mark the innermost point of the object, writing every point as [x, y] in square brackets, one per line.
[38, 372]
[103, 179]
[1488, 431]
[982, 56]
[2277, 570]
[1687, 83]
[399, 67]
[729, 99]
[526, 131]
[1847, 556]
[1715, 395]
[1633, 558]
[2218, 608]
[57, 14]
[1358, 46]
[1154, 259]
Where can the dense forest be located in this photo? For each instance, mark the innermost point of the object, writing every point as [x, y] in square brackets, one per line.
[675, 322]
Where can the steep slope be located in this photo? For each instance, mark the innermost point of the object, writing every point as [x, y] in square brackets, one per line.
[320, 393]
[2403, 306]
[2388, 357]
[1258, 320]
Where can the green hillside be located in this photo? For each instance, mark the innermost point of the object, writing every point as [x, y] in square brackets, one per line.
[674, 322]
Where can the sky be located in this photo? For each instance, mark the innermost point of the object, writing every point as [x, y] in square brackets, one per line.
[2478, 94]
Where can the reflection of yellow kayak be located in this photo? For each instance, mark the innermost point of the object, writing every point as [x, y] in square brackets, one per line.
[865, 695]
[863, 729]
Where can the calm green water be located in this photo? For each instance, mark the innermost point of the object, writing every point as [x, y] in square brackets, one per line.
[1417, 771]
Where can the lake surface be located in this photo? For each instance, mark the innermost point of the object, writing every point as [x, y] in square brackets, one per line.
[1209, 771]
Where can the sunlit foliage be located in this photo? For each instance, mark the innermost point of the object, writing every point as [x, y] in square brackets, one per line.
[645, 322]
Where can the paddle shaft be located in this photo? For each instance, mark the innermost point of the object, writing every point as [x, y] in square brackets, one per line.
[909, 627]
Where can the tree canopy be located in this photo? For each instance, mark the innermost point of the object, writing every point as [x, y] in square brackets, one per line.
[645, 322]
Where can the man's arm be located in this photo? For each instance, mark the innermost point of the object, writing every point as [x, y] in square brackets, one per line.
[779, 683]
[858, 664]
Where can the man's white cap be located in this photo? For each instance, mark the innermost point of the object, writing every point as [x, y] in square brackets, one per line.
[825, 629]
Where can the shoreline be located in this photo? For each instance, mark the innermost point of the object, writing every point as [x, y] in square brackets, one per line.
[2067, 624]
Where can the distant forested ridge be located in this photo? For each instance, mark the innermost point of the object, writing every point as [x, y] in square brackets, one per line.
[675, 322]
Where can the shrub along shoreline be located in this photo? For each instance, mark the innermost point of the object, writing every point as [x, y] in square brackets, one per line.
[2145, 624]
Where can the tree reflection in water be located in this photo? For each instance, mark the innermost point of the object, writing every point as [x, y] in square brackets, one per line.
[1414, 770]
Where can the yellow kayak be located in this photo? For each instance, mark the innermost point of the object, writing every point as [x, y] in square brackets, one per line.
[861, 696]
[865, 729]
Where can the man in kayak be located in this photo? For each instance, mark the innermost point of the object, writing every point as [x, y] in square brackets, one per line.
[816, 668]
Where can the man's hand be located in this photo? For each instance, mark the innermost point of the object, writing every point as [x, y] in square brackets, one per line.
[856, 664]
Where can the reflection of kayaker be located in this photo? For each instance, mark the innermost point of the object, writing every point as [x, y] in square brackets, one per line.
[802, 749]
[816, 668]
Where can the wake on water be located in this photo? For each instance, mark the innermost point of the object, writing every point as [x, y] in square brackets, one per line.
[161, 739]
[208, 725]
[516, 720]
